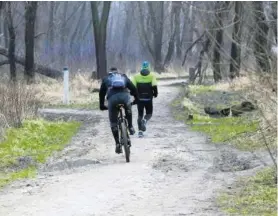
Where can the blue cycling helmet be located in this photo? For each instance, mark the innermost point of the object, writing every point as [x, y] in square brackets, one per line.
[145, 65]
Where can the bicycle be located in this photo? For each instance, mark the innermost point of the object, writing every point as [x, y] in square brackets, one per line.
[123, 130]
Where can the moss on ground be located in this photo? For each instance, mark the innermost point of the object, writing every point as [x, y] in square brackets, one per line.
[199, 89]
[33, 143]
[254, 196]
[225, 129]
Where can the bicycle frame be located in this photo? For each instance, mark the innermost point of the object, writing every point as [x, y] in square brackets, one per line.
[121, 117]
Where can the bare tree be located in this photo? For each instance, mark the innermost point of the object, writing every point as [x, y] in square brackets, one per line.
[188, 27]
[78, 26]
[50, 35]
[219, 9]
[153, 37]
[100, 28]
[64, 34]
[12, 38]
[30, 17]
[261, 50]
[157, 17]
[178, 6]
[5, 30]
[175, 9]
[127, 27]
[236, 43]
[274, 15]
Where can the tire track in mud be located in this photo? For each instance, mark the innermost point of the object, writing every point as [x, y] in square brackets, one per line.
[173, 171]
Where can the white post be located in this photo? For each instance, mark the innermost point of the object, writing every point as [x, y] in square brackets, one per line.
[66, 85]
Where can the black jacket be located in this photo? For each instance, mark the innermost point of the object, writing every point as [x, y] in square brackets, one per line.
[104, 88]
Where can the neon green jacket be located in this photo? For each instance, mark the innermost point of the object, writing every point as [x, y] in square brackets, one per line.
[146, 86]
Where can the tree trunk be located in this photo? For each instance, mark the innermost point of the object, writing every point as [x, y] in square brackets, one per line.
[12, 36]
[171, 46]
[37, 45]
[178, 6]
[1, 26]
[236, 43]
[100, 27]
[147, 36]
[77, 27]
[158, 35]
[64, 32]
[261, 50]
[50, 36]
[6, 32]
[218, 41]
[30, 17]
[191, 23]
[127, 28]
[274, 15]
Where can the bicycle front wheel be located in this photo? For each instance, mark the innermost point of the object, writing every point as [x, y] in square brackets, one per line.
[125, 141]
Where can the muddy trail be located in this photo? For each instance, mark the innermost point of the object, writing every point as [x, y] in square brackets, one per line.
[173, 170]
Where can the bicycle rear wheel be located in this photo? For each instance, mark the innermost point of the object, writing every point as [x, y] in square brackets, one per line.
[124, 136]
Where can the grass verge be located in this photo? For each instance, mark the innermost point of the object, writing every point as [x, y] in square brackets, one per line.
[235, 130]
[226, 129]
[253, 196]
[25, 147]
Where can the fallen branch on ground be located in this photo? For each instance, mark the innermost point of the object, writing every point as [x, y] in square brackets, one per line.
[41, 69]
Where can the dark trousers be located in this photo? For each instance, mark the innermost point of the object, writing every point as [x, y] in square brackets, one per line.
[144, 106]
[113, 101]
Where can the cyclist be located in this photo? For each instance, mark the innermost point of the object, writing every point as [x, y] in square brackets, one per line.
[146, 85]
[116, 86]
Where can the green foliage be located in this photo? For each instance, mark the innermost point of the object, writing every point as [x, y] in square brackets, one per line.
[29, 172]
[199, 89]
[223, 129]
[256, 196]
[37, 140]
[236, 130]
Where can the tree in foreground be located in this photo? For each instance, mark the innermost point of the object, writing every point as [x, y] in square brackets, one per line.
[100, 27]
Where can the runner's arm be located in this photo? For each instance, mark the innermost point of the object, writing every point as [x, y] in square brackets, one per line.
[154, 86]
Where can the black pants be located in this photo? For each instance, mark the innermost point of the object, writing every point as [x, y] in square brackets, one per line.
[113, 101]
[144, 106]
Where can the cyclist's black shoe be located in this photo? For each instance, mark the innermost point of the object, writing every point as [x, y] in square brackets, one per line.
[118, 149]
[143, 124]
[131, 130]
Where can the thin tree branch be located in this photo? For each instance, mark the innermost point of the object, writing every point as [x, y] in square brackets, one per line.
[191, 46]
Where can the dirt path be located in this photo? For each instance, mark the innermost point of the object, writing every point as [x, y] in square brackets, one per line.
[173, 171]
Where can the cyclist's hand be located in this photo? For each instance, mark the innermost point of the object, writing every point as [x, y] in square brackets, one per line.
[155, 95]
[103, 107]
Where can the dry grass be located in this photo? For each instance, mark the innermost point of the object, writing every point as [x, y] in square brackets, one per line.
[81, 87]
[262, 91]
[17, 102]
